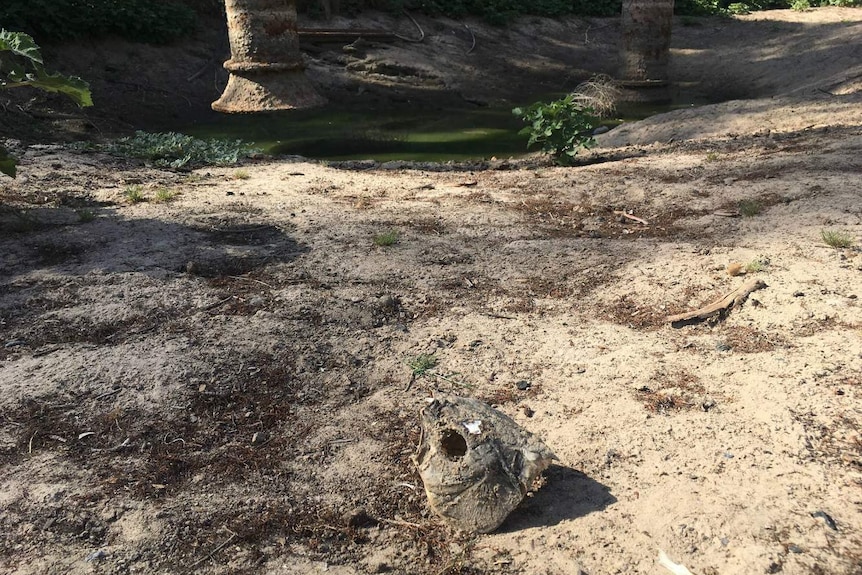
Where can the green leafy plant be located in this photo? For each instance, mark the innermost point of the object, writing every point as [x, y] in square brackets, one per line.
[421, 364]
[738, 8]
[134, 194]
[386, 239]
[21, 66]
[562, 127]
[837, 239]
[173, 150]
[800, 5]
[756, 265]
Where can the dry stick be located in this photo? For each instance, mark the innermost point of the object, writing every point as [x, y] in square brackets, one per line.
[216, 550]
[251, 280]
[200, 72]
[421, 31]
[401, 523]
[631, 217]
[473, 37]
[734, 298]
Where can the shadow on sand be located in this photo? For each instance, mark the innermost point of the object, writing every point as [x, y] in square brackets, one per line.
[568, 494]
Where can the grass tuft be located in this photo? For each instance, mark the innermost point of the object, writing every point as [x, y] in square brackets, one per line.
[134, 194]
[165, 195]
[241, 175]
[85, 215]
[837, 239]
[750, 208]
[388, 239]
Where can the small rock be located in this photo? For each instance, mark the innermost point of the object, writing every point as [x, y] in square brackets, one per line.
[358, 518]
[707, 405]
[228, 193]
[96, 556]
[794, 548]
[14, 343]
[259, 438]
[387, 302]
[798, 294]
[523, 385]
[528, 412]
[827, 519]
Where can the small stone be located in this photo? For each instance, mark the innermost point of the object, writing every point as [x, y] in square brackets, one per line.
[794, 548]
[528, 412]
[387, 302]
[259, 438]
[358, 518]
[523, 385]
[96, 556]
[798, 294]
[830, 523]
[228, 193]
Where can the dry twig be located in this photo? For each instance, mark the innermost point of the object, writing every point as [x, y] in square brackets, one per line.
[734, 298]
[216, 550]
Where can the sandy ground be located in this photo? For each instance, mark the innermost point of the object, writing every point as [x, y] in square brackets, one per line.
[221, 384]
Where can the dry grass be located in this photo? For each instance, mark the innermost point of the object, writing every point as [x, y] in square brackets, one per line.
[600, 93]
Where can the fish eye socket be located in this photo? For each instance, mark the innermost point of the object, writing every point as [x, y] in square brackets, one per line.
[453, 444]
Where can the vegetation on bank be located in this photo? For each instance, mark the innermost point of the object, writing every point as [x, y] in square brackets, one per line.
[164, 21]
[22, 66]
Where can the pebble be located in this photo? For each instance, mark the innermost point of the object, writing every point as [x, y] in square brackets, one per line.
[830, 523]
[15, 343]
[358, 518]
[523, 385]
[96, 556]
[259, 438]
[387, 302]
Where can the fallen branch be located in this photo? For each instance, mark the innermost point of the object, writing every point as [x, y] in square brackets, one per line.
[415, 23]
[473, 37]
[675, 568]
[216, 550]
[631, 217]
[734, 298]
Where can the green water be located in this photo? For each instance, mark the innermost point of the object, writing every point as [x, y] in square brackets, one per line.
[332, 134]
[417, 135]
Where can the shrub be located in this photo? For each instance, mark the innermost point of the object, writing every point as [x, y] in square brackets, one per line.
[563, 127]
[155, 22]
[21, 61]
[174, 150]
